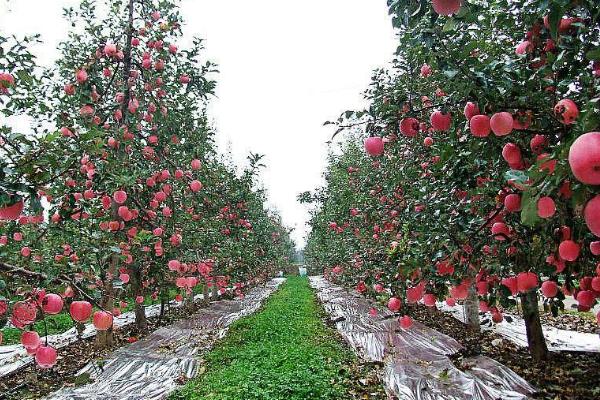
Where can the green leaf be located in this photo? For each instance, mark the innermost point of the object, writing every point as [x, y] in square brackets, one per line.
[529, 216]
[556, 13]
[593, 55]
[450, 25]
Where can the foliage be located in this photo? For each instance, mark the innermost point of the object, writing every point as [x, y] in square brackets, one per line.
[418, 220]
[125, 197]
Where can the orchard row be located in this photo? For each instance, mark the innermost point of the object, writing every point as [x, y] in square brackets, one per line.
[118, 197]
[479, 180]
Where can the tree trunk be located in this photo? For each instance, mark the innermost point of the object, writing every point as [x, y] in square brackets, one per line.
[214, 291]
[205, 300]
[535, 335]
[105, 339]
[471, 310]
[140, 311]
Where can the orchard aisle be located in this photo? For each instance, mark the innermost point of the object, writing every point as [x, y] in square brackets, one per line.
[285, 351]
[152, 367]
[417, 360]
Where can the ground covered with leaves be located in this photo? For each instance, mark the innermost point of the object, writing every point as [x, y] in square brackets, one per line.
[285, 351]
[564, 376]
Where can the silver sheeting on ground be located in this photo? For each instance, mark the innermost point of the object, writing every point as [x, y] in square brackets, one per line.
[14, 357]
[416, 360]
[556, 339]
[149, 369]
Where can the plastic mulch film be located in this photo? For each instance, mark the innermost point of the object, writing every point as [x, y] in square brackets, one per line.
[150, 368]
[416, 360]
[556, 339]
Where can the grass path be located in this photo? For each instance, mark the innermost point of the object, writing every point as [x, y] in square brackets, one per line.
[284, 351]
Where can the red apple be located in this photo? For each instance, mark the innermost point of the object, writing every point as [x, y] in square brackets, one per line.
[374, 146]
[471, 110]
[549, 289]
[480, 125]
[394, 304]
[512, 202]
[584, 158]
[80, 310]
[502, 123]
[446, 7]
[591, 214]
[409, 127]
[45, 357]
[566, 111]
[102, 320]
[546, 207]
[440, 121]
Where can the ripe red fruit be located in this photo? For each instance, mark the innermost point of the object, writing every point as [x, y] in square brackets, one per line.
[409, 127]
[428, 141]
[102, 320]
[497, 317]
[195, 186]
[512, 284]
[591, 214]
[568, 250]
[537, 143]
[584, 158]
[502, 123]
[81, 76]
[405, 322]
[415, 293]
[566, 111]
[52, 304]
[546, 207]
[596, 283]
[585, 298]
[524, 47]
[30, 340]
[549, 289]
[429, 299]
[526, 281]
[480, 125]
[12, 212]
[471, 110]
[124, 278]
[446, 7]
[595, 248]
[24, 313]
[440, 121]
[196, 164]
[110, 49]
[450, 301]
[511, 153]
[45, 357]
[425, 70]
[512, 202]
[120, 197]
[80, 310]
[500, 231]
[374, 146]
[394, 304]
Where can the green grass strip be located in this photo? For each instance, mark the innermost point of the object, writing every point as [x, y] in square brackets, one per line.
[284, 351]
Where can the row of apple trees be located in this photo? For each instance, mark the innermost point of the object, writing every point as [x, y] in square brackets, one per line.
[479, 178]
[116, 197]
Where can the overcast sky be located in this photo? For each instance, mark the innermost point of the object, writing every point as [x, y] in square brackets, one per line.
[285, 68]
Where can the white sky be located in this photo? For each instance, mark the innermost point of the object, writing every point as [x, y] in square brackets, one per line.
[285, 68]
